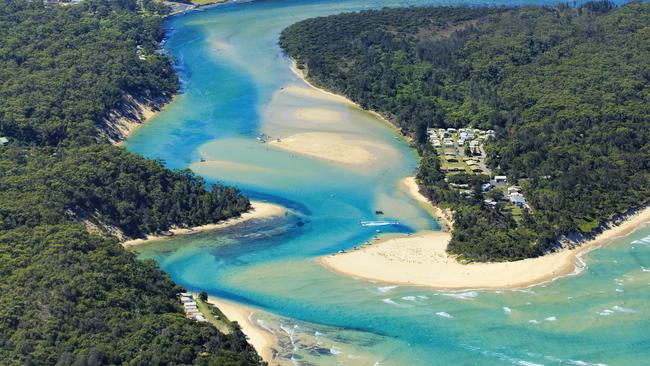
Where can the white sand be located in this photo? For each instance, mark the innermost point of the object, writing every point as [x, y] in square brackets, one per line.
[422, 260]
[319, 115]
[260, 210]
[330, 146]
[261, 339]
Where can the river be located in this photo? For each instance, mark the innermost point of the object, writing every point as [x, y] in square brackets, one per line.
[236, 85]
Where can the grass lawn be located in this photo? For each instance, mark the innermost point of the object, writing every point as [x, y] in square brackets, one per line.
[211, 313]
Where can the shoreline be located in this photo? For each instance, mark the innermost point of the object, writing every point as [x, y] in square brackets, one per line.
[140, 114]
[261, 339]
[293, 66]
[259, 210]
[445, 217]
[422, 260]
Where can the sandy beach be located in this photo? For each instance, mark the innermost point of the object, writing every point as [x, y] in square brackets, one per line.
[422, 260]
[260, 210]
[444, 216]
[330, 146]
[261, 339]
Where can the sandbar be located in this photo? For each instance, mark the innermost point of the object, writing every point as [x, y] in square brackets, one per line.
[320, 115]
[259, 210]
[329, 146]
[261, 339]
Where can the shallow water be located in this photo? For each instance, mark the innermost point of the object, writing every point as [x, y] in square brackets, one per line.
[235, 85]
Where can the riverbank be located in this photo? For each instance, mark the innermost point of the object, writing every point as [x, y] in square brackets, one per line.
[261, 339]
[259, 210]
[300, 74]
[422, 260]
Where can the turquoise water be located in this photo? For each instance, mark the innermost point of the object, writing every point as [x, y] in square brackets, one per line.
[235, 85]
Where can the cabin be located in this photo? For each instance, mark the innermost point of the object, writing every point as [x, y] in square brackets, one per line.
[490, 203]
[500, 180]
[514, 190]
[518, 200]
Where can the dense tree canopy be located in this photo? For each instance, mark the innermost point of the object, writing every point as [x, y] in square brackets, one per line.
[566, 90]
[69, 294]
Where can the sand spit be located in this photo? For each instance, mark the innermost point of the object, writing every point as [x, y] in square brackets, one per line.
[260, 210]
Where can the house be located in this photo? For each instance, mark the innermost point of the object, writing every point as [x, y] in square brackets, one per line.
[500, 180]
[185, 299]
[518, 200]
[513, 190]
[449, 143]
[461, 142]
[3, 141]
[474, 144]
[489, 202]
[459, 185]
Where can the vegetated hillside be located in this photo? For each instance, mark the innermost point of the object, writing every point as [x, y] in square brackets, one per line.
[566, 90]
[69, 296]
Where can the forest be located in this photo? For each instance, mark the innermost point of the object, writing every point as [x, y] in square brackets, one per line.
[565, 88]
[70, 295]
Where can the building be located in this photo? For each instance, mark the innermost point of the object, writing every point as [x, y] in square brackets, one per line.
[500, 180]
[3, 141]
[518, 200]
[513, 190]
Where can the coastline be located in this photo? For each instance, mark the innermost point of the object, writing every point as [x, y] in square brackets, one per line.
[422, 259]
[122, 124]
[259, 210]
[261, 339]
[444, 216]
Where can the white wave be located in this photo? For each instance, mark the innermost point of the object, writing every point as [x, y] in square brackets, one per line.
[528, 363]
[334, 351]
[391, 302]
[426, 297]
[507, 310]
[469, 295]
[408, 298]
[645, 269]
[551, 319]
[444, 315]
[622, 309]
[619, 290]
[616, 309]
[642, 241]
[533, 321]
[317, 333]
[385, 289]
